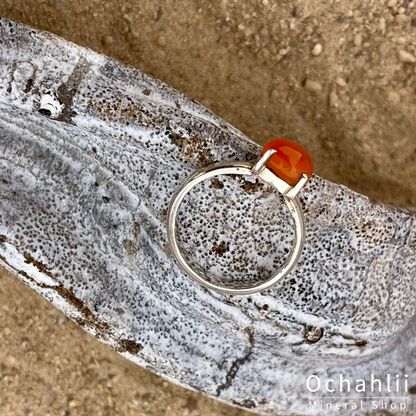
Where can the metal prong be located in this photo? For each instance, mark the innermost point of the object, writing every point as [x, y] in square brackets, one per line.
[294, 190]
[261, 164]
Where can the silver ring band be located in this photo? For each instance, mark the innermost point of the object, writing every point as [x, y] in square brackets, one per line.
[239, 168]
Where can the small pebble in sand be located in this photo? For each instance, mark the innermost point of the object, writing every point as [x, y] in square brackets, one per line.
[389, 17]
[383, 48]
[317, 49]
[391, 3]
[341, 82]
[275, 94]
[108, 40]
[161, 41]
[312, 86]
[401, 18]
[333, 99]
[382, 24]
[308, 30]
[264, 32]
[358, 39]
[48, 397]
[406, 57]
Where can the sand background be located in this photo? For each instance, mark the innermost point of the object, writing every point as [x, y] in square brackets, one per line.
[338, 77]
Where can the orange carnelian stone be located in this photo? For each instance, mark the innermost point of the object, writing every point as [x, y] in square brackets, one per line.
[289, 161]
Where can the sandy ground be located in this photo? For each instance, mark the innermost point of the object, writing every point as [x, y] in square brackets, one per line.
[338, 77]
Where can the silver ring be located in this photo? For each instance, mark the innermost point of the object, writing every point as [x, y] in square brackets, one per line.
[241, 168]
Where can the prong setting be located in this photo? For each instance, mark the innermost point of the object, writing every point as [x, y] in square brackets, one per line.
[261, 164]
[294, 190]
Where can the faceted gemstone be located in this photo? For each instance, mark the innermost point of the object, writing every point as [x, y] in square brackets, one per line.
[289, 161]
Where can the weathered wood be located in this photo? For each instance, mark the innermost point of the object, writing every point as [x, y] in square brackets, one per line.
[92, 151]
